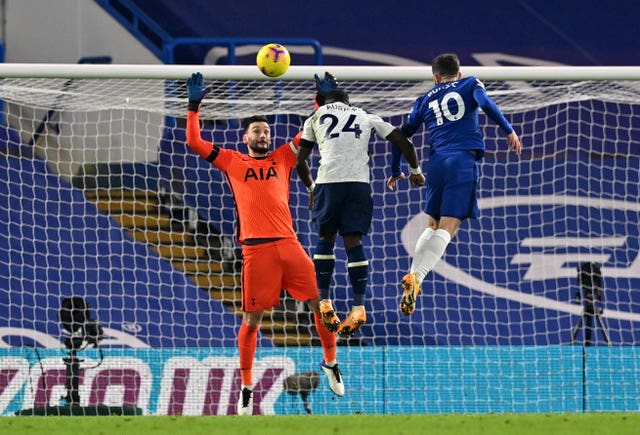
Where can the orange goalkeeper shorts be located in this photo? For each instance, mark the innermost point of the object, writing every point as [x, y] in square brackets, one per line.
[269, 268]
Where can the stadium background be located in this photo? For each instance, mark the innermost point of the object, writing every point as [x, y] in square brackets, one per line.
[533, 33]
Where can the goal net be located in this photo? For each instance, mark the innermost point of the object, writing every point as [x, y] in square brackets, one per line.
[102, 199]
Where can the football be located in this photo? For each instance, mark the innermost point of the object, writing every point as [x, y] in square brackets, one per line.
[273, 60]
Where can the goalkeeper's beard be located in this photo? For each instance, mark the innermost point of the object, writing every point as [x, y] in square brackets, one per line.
[260, 147]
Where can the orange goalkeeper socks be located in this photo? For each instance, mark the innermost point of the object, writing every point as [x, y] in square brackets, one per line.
[247, 344]
[327, 339]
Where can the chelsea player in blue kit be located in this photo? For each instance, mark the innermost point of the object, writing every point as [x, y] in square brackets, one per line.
[450, 112]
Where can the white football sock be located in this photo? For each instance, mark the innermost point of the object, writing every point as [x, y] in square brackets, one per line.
[422, 240]
[429, 250]
[420, 247]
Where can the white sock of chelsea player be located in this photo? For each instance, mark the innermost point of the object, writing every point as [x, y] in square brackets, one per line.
[429, 250]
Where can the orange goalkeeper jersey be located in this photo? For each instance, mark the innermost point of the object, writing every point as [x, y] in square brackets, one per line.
[260, 186]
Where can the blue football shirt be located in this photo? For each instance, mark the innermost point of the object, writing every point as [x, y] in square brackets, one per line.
[449, 112]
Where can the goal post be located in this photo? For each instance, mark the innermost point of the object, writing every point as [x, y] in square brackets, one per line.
[101, 199]
[245, 72]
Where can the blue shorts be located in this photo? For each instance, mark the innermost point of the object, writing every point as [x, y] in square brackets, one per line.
[342, 208]
[452, 180]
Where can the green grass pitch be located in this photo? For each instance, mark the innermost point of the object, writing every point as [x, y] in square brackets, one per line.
[494, 424]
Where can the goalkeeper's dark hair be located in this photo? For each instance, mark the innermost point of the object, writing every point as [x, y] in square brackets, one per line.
[337, 95]
[446, 64]
[250, 120]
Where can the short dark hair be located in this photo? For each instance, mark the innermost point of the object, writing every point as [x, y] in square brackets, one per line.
[446, 64]
[337, 95]
[250, 120]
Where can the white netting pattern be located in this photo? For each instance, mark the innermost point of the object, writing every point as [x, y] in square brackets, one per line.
[103, 198]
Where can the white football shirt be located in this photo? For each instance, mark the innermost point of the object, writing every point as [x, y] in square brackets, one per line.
[342, 133]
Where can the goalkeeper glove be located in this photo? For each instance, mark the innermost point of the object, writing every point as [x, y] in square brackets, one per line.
[324, 86]
[196, 90]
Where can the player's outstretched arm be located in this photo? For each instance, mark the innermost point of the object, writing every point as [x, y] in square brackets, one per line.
[492, 110]
[409, 151]
[196, 92]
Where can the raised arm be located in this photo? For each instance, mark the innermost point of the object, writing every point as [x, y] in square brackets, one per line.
[196, 92]
[323, 87]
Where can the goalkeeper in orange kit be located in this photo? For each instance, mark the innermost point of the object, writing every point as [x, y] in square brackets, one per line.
[273, 258]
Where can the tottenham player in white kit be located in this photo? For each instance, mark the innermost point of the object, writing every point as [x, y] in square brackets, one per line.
[340, 195]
